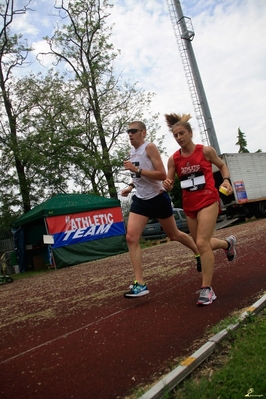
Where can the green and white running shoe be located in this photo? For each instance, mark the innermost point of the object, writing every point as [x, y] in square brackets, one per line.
[136, 290]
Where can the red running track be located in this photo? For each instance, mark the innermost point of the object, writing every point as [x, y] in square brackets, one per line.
[56, 343]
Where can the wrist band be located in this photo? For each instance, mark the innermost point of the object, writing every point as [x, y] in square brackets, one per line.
[132, 185]
[227, 178]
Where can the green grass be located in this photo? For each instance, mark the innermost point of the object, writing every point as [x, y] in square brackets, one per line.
[243, 370]
[30, 273]
[223, 324]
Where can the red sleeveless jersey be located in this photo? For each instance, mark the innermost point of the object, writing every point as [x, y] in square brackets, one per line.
[196, 180]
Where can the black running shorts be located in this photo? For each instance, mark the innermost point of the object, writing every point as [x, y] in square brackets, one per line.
[158, 207]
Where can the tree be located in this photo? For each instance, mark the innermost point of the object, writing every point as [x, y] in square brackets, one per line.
[105, 105]
[62, 131]
[241, 141]
[7, 216]
[43, 109]
[13, 53]
[46, 133]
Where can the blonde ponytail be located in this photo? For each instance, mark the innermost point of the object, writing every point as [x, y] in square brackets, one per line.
[172, 119]
[176, 119]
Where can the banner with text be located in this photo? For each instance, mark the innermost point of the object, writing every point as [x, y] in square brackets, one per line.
[85, 226]
[241, 192]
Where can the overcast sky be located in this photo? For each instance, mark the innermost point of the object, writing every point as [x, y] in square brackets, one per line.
[230, 50]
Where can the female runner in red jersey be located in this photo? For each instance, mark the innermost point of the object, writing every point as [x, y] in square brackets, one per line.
[201, 203]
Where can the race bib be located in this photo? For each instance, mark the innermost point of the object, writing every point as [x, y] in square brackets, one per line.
[193, 182]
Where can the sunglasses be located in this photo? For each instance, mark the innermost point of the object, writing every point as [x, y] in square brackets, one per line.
[133, 131]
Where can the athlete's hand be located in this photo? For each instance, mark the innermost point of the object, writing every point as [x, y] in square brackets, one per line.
[228, 187]
[168, 184]
[126, 191]
[130, 166]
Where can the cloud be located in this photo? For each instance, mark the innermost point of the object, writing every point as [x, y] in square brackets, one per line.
[43, 47]
[229, 47]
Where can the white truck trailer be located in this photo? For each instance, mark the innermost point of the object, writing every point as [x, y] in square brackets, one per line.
[248, 177]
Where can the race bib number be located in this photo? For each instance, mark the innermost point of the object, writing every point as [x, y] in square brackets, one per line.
[193, 182]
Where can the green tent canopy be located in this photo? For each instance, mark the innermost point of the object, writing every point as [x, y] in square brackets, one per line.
[97, 231]
[62, 204]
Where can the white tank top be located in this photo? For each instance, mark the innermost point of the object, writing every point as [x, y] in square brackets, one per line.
[146, 188]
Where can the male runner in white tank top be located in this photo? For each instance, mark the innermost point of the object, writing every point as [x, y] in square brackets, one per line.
[150, 201]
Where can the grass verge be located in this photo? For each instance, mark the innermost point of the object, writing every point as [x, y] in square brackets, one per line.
[240, 373]
[30, 273]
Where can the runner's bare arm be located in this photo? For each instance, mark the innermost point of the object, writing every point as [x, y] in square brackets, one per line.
[159, 173]
[168, 183]
[211, 155]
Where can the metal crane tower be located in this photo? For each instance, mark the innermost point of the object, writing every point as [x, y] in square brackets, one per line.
[184, 34]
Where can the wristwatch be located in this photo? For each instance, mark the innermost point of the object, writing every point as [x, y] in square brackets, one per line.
[138, 173]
